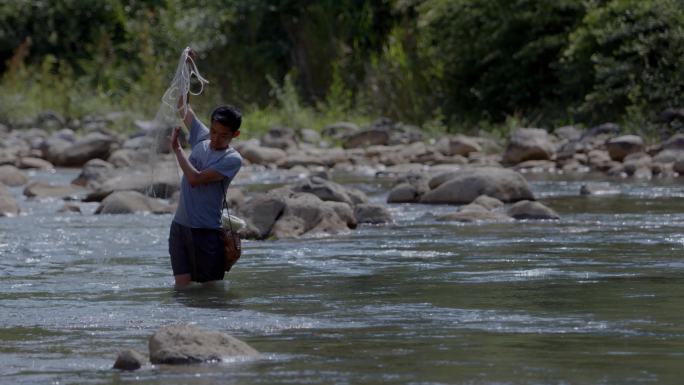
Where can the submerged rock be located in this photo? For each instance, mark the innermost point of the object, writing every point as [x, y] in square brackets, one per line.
[129, 359]
[372, 213]
[187, 344]
[531, 210]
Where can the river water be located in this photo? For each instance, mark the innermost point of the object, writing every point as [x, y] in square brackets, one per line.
[595, 298]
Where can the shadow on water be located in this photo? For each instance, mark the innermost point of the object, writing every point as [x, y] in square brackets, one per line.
[213, 295]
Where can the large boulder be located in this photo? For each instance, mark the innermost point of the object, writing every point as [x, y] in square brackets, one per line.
[372, 213]
[8, 205]
[305, 213]
[531, 210]
[187, 344]
[340, 129]
[529, 144]
[465, 185]
[41, 190]
[621, 146]
[91, 146]
[129, 202]
[261, 213]
[12, 176]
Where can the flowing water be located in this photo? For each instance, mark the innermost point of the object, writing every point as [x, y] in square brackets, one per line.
[595, 298]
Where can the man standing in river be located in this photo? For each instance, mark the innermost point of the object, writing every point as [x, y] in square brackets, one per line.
[195, 242]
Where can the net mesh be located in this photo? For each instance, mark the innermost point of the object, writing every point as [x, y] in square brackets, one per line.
[164, 173]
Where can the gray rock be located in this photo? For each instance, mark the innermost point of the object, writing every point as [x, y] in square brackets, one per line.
[529, 144]
[261, 213]
[458, 145]
[329, 191]
[91, 146]
[310, 136]
[344, 211]
[668, 156]
[675, 142]
[372, 213]
[531, 210]
[466, 185]
[28, 162]
[160, 182]
[186, 344]
[403, 193]
[620, 147]
[129, 202]
[121, 158]
[12, 176]
[570, 133]
[488, 202]
[262, 155]
[678, 167]
[279, 137]
[300, 160]
[365, 138]
[638, 160]
[129, 359]
[94, 172]
[305, 213]
[469, 216]
[340, 129]
[70, 208]
[40, 190]
[597, 189]
[8, 205]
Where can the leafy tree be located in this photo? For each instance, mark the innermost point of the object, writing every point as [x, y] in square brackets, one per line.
[625, 59]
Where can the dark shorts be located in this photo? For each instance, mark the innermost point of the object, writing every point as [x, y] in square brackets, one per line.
[198, 252]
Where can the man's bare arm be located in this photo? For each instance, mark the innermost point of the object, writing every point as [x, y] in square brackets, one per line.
[193, 176]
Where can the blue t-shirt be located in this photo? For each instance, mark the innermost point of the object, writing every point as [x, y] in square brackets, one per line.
[200, 206]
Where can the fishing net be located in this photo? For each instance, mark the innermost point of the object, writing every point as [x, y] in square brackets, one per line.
[164, 173]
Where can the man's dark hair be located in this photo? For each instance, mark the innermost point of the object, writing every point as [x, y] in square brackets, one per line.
[228, 116]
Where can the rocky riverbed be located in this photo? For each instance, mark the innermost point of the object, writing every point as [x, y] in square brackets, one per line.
[127, 174]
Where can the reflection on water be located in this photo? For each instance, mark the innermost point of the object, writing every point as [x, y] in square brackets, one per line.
[592, 298]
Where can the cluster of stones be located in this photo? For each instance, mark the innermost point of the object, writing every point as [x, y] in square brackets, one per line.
[186, 344]
[118, 172]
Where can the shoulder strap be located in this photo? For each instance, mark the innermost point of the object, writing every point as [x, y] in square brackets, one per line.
[225, 204]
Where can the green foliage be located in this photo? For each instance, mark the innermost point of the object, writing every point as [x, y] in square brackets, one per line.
[499, 56]
[626, 57]
[456, 65]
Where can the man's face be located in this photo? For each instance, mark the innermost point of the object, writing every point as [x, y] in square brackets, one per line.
[220, 136]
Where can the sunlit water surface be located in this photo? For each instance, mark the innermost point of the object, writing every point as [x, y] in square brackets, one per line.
[595, 298]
